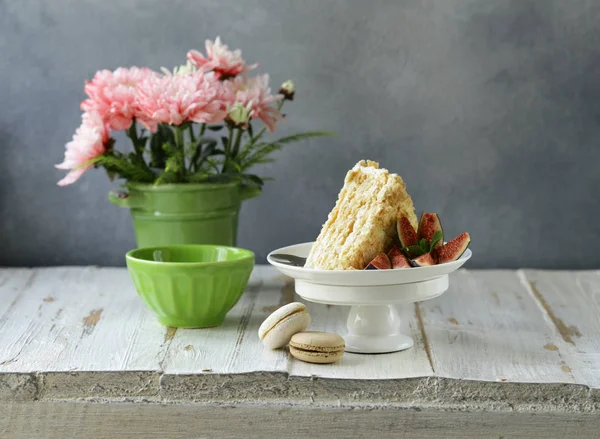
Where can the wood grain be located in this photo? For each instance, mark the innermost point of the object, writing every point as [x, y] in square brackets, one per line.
[233, 347]
[487, 327]
[94, 322]
[406, 364]
[148, 421]
[570, 302]
[13, 283]
[491, 326]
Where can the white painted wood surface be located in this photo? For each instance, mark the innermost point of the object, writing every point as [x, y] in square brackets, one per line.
[491, 326]
[410, 363]
[79, 319]
[487, 327]
[233, 347]
[570, 302]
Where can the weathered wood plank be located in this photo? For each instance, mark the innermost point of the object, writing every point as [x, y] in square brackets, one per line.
[571, 303]
[487, 327]
[13, 281]
[490, 326]
[233, 347]
[147, 421]
[80, 319]
[406, 364]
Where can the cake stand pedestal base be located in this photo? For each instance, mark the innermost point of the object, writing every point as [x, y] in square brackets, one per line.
[375, 329]
[373, 321]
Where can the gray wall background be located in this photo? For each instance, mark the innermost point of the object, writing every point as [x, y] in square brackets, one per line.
[489, 109]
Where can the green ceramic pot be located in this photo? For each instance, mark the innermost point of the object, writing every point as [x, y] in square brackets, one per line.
[190, 286]
[184, 213]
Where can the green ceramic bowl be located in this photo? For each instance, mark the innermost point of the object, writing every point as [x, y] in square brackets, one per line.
[190, 286]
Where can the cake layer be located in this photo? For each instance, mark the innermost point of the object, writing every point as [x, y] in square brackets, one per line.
[363, 222]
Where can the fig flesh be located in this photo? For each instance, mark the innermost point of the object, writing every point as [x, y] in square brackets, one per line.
[428, 225]
[406, 232]
[452, 250]
[423, 260]
[397, 259]
[381, 262]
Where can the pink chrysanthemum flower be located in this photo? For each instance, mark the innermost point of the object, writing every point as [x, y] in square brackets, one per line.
[225, 63]
[175, 99]
[89, 141]
[254, 93]
[113, 95]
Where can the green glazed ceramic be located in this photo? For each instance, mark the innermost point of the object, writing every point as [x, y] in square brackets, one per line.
[190, 286]
[184, 213]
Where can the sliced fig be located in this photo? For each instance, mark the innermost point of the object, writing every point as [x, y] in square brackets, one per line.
[381, 262]
[452, 250]
[423, 260]
[406, 232]
[428, 225]
[397, 259]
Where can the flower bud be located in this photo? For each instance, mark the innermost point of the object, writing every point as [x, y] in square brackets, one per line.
[238, 115]
[288, 89]
[184, 69]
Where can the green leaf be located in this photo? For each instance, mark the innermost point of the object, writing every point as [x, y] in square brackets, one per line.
[302, 136]
[259, 155]
[413, 251]
[424, 245]
[206, 141]
[173, 164]
[215, 127]
[209, 151]
[198, 154]
[111, 175]
[213, 164]
[255, 152]
[250, 130]
[223, 178]
[158, 153]
[167, 177]
[90, 162]
[169, 148]
[233, 164]
[120, 165]
[437, 237]
[225, 141]
[254, 179]
[197, 177]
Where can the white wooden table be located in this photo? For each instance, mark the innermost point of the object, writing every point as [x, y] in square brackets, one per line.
[501, 354]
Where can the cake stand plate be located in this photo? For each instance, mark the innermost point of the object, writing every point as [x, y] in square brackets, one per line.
[373, 321]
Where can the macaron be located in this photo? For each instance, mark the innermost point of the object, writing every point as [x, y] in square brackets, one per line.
[277, 329]
[317, 347]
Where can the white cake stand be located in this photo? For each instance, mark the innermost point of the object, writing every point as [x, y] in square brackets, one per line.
[373, 321]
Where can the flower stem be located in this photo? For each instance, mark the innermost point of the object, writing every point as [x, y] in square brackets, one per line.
[229, 143]
[236, 145]
[180, 146]
[138, 146]
[194, 147]
[228, 149]
[132, 134]
[202, 129]
[179, 137]
[192, 136]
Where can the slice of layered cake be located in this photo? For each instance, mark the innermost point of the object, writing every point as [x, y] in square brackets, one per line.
[363, 222]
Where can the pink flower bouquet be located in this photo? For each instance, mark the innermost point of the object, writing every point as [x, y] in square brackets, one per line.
[169, 115]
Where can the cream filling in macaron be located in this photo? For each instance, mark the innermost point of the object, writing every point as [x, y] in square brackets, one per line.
[277, 329]
[317, 347]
